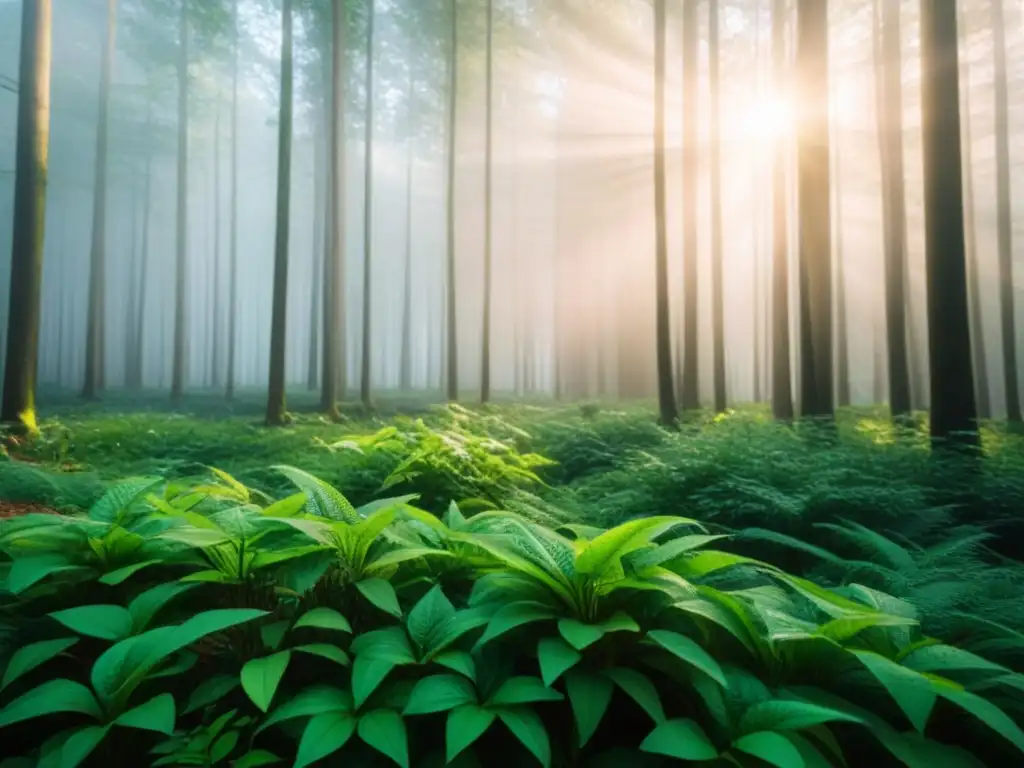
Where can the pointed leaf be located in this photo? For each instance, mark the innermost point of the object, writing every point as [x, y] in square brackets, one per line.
[465, 725]
[555, 657]
[367, 674]
[260, 678]
[513, 615]
[381, 594]
[458, 661]
[255, 759]
[80, 744]
[107, 622]
[28, 657]
[433, 611]
[773, 748]
[309, 702]
[119, 575]
[157, 714]
[681, 739]
[384, 730]
[324, 618]
[639, 688]
[791, 715]
[323, 499]
[689, 651]
[211, 690]
[523, 690]
[439, 693]
[590, 696]
[325, 651]
[324, 735]
[51, 697]
[526, 726]
[986, 712]
[147, 604]
[909, 689]
[578, 634]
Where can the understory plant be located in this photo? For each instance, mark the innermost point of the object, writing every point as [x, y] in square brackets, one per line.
[205, 625]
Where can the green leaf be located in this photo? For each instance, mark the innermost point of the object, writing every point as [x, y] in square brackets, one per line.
[260, 677]
[384, 730]
[273, 634]
[147, 604]
[119, 575]
[909, 689]
[324, 618]
[286, 507]
[523, 690]
[590, 696]
[846, 627]
[381, 594]
[28, 657]
[458, 661]
[687, 650]
[773, 748]
[604, 554]
[439, 693]
[578, 634]
[432, 612]
[465, 725]
[325, 651]
[812, 756]
[157, 714]
[526, 726]
[315, 700]
[947, 658]
[322, 499]
[120, 497]
[80, 744]
[49, 698]
[324, 735]
[681, 739]
[555, 657]
[987, 712]
[28, 571]
[223, 746]
[790, 715]
[639, 688]
[655, 556]
[367, 674]
[513, 615]
[255, 759]
[107, 622]
[211, 690]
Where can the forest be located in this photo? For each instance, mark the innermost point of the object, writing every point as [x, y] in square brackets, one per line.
[572, 383]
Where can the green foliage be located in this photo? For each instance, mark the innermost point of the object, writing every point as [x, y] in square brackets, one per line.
[245, 631]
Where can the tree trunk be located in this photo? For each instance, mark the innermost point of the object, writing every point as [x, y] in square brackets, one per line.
[276, 410]
[953, 414]
[233, 287]
[132, 299]
[180, 288]
[95, 358]
[842, 321]
[405, 373]
[217, 352]
[485, 351]
[452, 379]
[816, 358]
[666, 387]
[18, 406]
[717, 287]
[1004, 213]
[782, 385]
[334, 357]
[318, 255]
[147, 201]
[690, 386]
[365, 380]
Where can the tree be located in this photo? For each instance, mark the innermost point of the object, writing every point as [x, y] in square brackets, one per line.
[953, 413]
[276, 413]
[365, 380]
[139, 331]
[181, 232]
[405, 371]
[717, 288]
[782, 384]
[842, 336]
[233, 287]
[95, 357]
[666, 393]
[485, 352]
[18, 406]
[452, 351]
[216, 353]
[813, 153]
[1004, 218]
[690, 386]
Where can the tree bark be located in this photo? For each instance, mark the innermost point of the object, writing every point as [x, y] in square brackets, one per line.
[365, 381]
[180, 287]
[690, 385]
[782, 384]
[138, 358]
[842, 321]
[717, 286]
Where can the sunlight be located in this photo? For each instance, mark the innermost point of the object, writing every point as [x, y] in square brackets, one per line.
[768, 117]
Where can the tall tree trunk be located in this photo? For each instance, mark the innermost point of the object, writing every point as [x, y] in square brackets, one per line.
[217, 352]
[132, 299]
[666, 387]
[405, 373]
[365, 380]
[782, 383]
[147, 201]
[816, 359]
[95, 358]
[334, 381]
[717, 287]
[181, 234]
[451, 350]
[319, 255]
[31, 156]
[485, 351]
[276, 411]
[953, 414]
[233, 287]
[1004, 214]
[690, 387]
[842, 321]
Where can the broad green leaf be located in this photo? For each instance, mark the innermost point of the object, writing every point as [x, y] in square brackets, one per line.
[723, 616]
[27, 571]
[119, 498]
[255, 759]
[119, 575]
[458, 661]
[589, 695]
[403, 555]
[681, 739]
[909, 689]
[555, 657]
[526, 726]
[639, 688]
[523, 690]
[773, 748]
[846, 627]
[697, 565]
[432, 611]
[578, 634]
[514, 615]
[367, 674]
[790, 715]
[157, 714]
[260, 678]
[325, 651]
[324, 618]
[461, 623]
[947, 658]
[30, 656]
[392, 502]
[316, 700]
[273, 634]
[223, 746]
[211, 690]
[324, 735]
[80, 744]
[323, 499]
[439, 693]
[286, 507]
[648, 558]
[388, 644]
[147, 604]
[987, 712]
[384, 730]
[196, 537]
[604, 554]
[381, 594]
[49, 698]
[465, 725]
[689, 651]
[240, 490]
[107, 622]
[812, 756]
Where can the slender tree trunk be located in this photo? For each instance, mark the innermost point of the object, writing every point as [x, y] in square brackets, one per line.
[717, 287]
[842, 321]
[180, 287]
[217, 353]
[31, 155]
[95, 330]
[953, 414]
[1007, 313]
[782, 384]
[452, 379]
[147, 202]
[131, 306]
[485, 351]
[365, 378]
[276, 409]
[405, 374]
[666, 387]
[690, 393]
[816, 380]
[233, 287]
[319, 254]
[334, 381]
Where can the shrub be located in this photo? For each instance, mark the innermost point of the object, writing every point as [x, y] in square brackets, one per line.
[177, 625]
